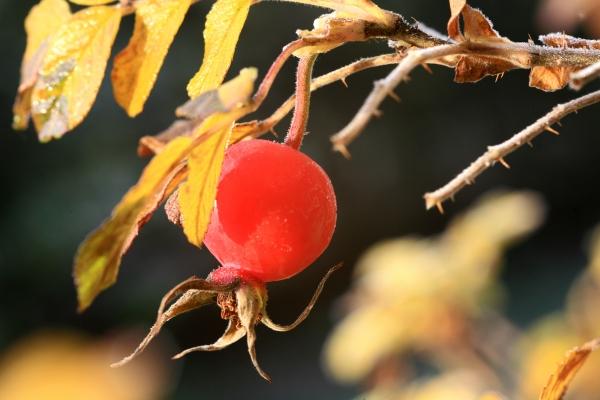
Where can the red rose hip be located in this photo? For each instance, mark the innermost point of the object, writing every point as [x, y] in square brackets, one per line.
[275, 211]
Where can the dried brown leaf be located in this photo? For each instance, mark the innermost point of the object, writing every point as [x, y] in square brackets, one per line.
[472, 69]
[456, 7]
[476, 28]
[550, 79]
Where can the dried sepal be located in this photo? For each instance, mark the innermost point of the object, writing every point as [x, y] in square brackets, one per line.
[232, 334]
[194, 293]
[266, 320]
[243, 303]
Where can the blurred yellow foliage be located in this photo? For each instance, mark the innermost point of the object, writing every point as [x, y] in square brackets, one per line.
[435, 300]
[65, 366]
[422, 294]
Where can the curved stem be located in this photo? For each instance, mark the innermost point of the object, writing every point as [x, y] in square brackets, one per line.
[266, 320]
[302, 103]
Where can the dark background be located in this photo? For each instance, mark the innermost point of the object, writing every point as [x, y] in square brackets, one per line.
[54, 194]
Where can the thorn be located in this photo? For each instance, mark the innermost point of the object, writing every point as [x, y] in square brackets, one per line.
[452, 198]
[469, 181]
[274, 132]
[439, 206]
[529, 39]
[552, 130]
[503, 162]
[394, 96]
[530, 144]
[343, 80]
[426, 68]
[559, 123]
[377, 113]
[499, 76]
[342, 149]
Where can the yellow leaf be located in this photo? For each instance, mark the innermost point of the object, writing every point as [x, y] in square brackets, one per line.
[98, 258]
[42, 21]
[197, 195]
[137, 66]
[91, 2]
[224, 24]
[362, 9]
[559, 381]
[72, 70]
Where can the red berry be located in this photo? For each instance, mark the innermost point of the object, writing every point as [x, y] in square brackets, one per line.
[275, 211]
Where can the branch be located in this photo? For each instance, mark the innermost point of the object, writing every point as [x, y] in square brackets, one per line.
[385, 87]
[257, 128]
[582, 77]
[302, 103]
[498, 152]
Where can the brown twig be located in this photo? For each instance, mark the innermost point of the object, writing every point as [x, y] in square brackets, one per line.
[340, 74]
[584, 76]
[497, 153]
[385, 87]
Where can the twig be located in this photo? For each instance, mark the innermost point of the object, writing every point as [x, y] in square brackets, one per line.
[497, 153]
[261, 127]
[584, 76]
[302, 103]
[385, 87]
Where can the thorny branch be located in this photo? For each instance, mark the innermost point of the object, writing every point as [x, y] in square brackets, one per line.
[582, 77]
[497, 153]
[384, 88]
[257, 128]
[416, 46]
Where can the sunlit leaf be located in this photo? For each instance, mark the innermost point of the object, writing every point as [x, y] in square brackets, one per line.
[560, 380]
[72, 70]
[224, 24]
[91, 2]
[362, 9]
[42, 21]
[197, 195]
[230, 94]
[98, 258]
[137, 66]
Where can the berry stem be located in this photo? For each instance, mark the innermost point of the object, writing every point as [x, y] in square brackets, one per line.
[302, 103]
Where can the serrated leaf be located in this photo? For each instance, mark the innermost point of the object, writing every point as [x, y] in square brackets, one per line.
[72, 70]
[197, 194]
[362, 9]
[99, 256]
[41, 23]
[560, 380]
[91, 2]
[224, 24]
[136, 67]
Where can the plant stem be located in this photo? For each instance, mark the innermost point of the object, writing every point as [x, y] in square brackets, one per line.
[495, 154]
[302, 103]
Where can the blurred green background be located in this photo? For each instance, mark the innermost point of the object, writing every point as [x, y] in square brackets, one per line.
[54, 194]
